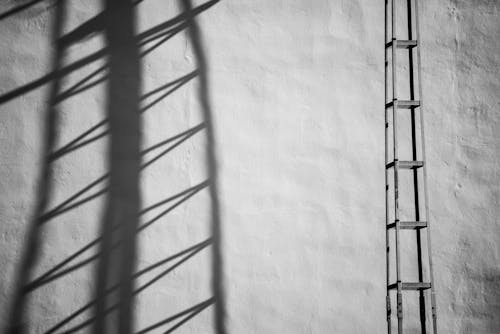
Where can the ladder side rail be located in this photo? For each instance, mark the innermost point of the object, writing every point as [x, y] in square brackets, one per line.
[426, 192]
[386, 128]
[399, 297]
[418, 232]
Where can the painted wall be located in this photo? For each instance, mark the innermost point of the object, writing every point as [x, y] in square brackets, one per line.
[221, 165]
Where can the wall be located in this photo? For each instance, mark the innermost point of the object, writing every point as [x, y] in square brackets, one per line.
[254, 131]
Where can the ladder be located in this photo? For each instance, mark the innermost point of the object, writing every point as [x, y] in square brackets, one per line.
[410, 107]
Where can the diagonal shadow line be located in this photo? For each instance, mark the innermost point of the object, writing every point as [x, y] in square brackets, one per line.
[190, 75]
[38, 283]
[168, 35]
[56, 154]
[59, 153]
[191, 316]
[93, 25]
[84, 88]
[190, 131]
[74, 144]
[191, 312]
[66, 205]
[80, 86]
[52, 214]
[167, 150]
[166, 211]
[111, 289]
[199, 245]
[188, 193]
[192, 189]
[178, 85]
[177, 19]
[166, 271]
[52, 76]
[151, 37]
[18, 9]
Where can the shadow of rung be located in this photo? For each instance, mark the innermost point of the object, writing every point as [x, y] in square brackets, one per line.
[188, 313]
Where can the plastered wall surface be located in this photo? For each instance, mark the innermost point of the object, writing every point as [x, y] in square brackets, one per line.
[295, 125]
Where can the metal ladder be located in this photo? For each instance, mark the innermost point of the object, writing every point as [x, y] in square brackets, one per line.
[412, 105]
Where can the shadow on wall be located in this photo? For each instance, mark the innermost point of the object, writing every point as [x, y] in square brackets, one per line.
[115, 283]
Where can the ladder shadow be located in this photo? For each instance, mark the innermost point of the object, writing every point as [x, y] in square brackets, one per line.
[120, 225]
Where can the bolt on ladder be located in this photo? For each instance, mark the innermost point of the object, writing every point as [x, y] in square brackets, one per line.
[415, 166]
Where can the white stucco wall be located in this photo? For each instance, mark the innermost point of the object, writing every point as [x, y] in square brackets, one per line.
[297, 95]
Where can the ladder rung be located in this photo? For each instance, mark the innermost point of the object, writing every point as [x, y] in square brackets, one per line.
[411, 286]
[408, 225]
[402, 44]
[404, 104]
[405, 164]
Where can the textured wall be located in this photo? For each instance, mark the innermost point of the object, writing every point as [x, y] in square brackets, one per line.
[258, 153]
